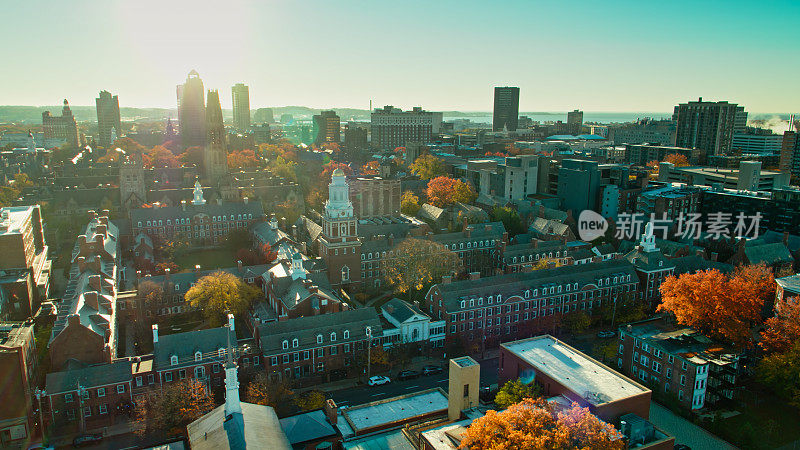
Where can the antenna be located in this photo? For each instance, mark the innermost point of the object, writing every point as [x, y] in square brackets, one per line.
[370, 105]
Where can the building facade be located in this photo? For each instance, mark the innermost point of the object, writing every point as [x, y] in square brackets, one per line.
[192, 111]
[215, 156]
[19, 368]
[62, 127]
[241, 107]
[392, 127]
[506, 109]
[708, 126]
[327, 127]
[374, 196]
[107, 118]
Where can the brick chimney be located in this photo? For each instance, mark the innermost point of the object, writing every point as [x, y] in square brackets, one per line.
[239, 265]
[197, 268]
[447, 279]
[474, 275]
[81, 263]
[90, 299]
[94, 282]
[166, 274]
[155, 333]
[331, 411]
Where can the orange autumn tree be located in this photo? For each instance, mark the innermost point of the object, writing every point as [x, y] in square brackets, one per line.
[176, 406]
[160, 156]
[677, 159]
[782, 329]
[535, 424]
[443, 191]
[722, 306]
[370, 168]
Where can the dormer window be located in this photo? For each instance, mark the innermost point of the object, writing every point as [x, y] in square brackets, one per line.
[198, 356]
[173, 360]
[286, 345]
[333, 337]
[221, 352]
[319, 339]
[347, 334]
[463, 304]
[527, 293]
[295, 343]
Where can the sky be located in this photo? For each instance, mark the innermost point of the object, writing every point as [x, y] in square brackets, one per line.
[610, 55]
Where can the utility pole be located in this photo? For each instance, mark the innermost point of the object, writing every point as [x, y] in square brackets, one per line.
[614, 314]
[369, 353]
[81, 391]
[39, 394]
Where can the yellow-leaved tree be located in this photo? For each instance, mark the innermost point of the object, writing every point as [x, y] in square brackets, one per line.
[417, 264]
[220, 293]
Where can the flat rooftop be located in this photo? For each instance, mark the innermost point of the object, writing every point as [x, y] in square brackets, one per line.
[12, 218]
[587, 378]
[465, 361]
[395, 409]
[15, 334]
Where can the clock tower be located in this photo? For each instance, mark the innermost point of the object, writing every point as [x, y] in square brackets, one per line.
[339, 243]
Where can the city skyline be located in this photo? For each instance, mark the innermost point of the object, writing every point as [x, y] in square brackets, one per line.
[627, 57]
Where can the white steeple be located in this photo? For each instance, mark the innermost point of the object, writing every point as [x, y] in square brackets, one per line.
[338, 204]
[297, 271]
[232, 403]
[198, 194]
[31, 143]
[648, 241]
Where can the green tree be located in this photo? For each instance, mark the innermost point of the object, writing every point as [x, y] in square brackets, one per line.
[428, 167]
[219, 293]
[409, 203]
[576, 321]
[310, 400]
[510, 218]
[781, 372]
[515, 391]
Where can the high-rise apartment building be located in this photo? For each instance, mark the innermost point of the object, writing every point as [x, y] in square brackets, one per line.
[62, 127]
[326, 127]
[215, 158]
[241, 107]
[506, 109]
[708, 126]
[107, 117]
[575, 121]
[392, 127]
[192, 111]
[790, 153]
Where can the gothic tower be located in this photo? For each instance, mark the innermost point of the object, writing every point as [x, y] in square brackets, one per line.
[215, 157]
[131, 182]
[339, 243]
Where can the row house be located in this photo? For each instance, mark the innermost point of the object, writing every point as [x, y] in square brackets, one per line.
[507, 307]
[317, 347]
[85, 329]
[91, 396]
[198, 221]
[679, 361]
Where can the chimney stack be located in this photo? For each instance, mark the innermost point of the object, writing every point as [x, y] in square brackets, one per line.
[155, 333]
[331, 411]
[230, 322]
[239, 265]
[474, 275]
[447, 279]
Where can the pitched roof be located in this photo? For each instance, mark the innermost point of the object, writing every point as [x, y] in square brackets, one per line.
[430, 212]
[306, 427]
[257, 426]
[209, 209]
[516, 283]
[306, 329]
[546, 226]
[401, 310]
[768, 253]
[89, 376]
[185, 345]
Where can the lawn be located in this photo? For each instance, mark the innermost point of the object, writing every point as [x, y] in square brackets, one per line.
[215, 258]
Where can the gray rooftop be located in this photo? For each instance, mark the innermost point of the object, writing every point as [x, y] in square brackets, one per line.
[89, 376]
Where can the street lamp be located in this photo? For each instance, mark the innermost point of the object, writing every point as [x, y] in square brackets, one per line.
[369, 352]
[81, 392]
[39, 394]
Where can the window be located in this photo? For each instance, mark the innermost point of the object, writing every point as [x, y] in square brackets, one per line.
[347, 348]
[320, 352]
[333, 336]
[173, 360]
[150, 378]
[103, 409]
[319, 339]
[286, 358]
[182, 374]
[198, 356]
[295, 343]
[87, 411]
[120, 389]
[67, 398]
[285, 345]
[101, 392]
[274, 361]
[306, 355]
[346, 334]
[168, 376]
[215, 368]
[683, 380]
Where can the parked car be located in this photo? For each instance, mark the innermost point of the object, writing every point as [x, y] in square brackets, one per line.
[87, 439]
[378, 380]
[606, 334]
[407, 375]
[430, 370]
[40, 446]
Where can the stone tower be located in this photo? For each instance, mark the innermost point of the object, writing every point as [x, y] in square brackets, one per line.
[465, 378]
[340, 246]
[131, 182]
[215, 157]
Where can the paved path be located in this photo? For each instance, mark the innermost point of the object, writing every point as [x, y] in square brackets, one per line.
[685, 432]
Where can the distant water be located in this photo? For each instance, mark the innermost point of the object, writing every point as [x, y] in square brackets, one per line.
[588, 116]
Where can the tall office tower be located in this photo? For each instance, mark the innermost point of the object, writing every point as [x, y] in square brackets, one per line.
[61, 127]
[263, 115]
[107, 117]
[790, 153]
[241, 107]
[192, 111]
[392, 127]
[327, 126]
[575, 121]
[506, 108]
[215, 157]
[708, 126]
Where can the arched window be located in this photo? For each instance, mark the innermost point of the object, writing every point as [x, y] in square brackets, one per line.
[198, 356]
[285, 345]
[173, 360]
[295, 343]
[319, 339]
[221, 351]
[346, 334]
[333, 336]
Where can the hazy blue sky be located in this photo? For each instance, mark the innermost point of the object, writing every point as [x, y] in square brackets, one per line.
[609, 55]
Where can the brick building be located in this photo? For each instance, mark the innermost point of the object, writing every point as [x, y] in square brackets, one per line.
[316, 345]
[25, 279]
[296, 289]
[562, 370]
[86, 327]
[374, 196]
[18, 366]
[679, 361]
[503, 307]
[61, 127]
[651, 265]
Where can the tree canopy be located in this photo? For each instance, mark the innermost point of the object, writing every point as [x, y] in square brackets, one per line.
[443, 191]
[782, 329]
[219, 293]
[510, 218]
[533, 424]
[418, 263]
[780, 372]
[275, 393]
[177, 405]
[515, 391]
[409, 203]
[428, 167]
[722, 306]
